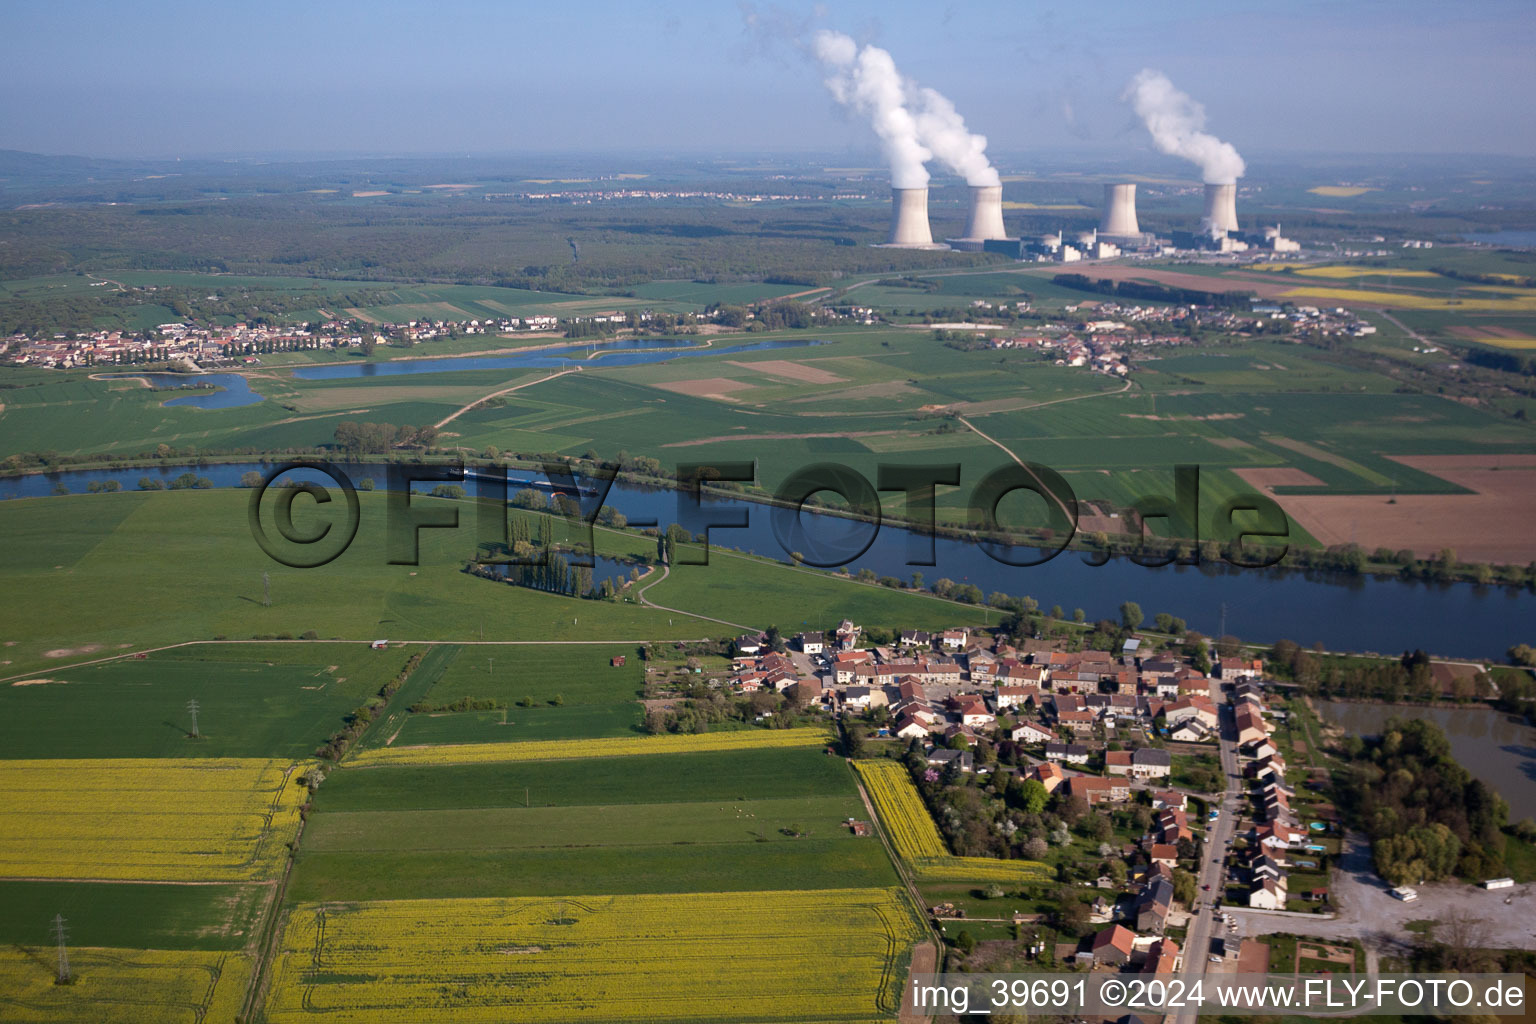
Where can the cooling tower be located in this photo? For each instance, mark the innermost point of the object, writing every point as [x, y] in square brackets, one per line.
[1220, 209]
[909, 217]
[986, 217]
[1119, 220]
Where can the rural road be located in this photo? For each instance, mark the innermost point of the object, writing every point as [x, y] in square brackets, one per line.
[440, 424]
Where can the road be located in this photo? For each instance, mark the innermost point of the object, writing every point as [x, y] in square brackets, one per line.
[1203, 926]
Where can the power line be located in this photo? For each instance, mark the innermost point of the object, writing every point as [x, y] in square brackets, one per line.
[61, 933]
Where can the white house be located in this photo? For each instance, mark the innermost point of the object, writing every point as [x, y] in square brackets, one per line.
[1031, 732]
[1268, 895]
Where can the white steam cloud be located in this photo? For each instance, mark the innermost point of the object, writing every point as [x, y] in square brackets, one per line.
[942, 129]
[867, 81]
[1176, 122]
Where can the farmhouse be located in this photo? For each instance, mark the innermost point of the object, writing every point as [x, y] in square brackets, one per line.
[1151, 763]
[1049, 775]
[1113, 945]
[941, 758]
[1077, 721]
[1232, 669]
[1030, 732]
[1267, 895]
[1150, 911]
[1015, 696]
[1162, 958]
[1071, 753]
[1096, 790]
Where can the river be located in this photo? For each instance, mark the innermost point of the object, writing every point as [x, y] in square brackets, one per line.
[1494, 746]
[1364, 613]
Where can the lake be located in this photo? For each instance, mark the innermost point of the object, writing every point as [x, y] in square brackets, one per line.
[1495, 747]
[237, 390]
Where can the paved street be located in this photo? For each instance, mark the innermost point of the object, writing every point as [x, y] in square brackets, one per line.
[1197, 946]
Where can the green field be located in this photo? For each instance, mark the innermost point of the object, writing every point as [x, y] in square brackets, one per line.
[689, 778]
[133, 915]
[540, 722]
[146, 569]
[256, 700]
[657, 823]
[581, 675]
[545, 692]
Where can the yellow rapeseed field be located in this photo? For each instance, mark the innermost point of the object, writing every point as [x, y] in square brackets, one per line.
[1342, 271]
[918, 842]
[901, 810]
[824, 955]
[619, 746]
[1523, 303]
[122, 986]
[219, 819]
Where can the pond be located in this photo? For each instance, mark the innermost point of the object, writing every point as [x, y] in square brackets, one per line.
[201, 388]
[1494, 746]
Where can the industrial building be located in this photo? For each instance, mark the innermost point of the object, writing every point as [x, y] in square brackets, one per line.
[1118, 232]
[984, 221]
[909, 220]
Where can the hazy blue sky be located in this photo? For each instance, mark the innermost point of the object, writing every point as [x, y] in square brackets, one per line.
[158, 78]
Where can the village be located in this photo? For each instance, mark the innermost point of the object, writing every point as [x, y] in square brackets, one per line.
[1100, 734]
[1098, 335]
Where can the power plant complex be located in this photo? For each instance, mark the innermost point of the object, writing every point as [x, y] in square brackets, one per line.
[1118, 232]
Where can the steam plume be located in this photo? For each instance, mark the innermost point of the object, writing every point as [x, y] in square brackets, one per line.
[866, 80]
[942, 129]
[1176, 122]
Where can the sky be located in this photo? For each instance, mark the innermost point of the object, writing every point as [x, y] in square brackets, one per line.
[164, 79]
